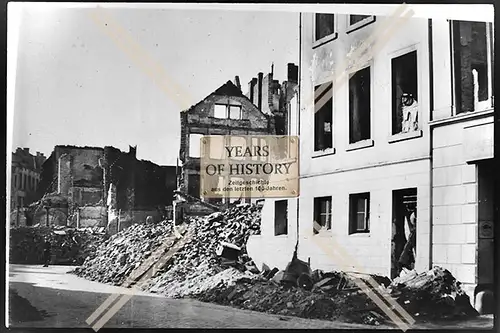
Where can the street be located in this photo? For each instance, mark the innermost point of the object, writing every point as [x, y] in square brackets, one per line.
[53, 298]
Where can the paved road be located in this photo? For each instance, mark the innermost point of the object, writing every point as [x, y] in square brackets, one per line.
[53, 298]
[69, 300]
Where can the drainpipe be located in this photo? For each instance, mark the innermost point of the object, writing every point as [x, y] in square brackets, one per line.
[298, 122]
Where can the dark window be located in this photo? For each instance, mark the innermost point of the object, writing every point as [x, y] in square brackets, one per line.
[194, 185]
[325, 25]
[353, 19]
[281, 217]
[359, 106]
[471, 67]
[404, 93]
[359, 217]
[323, 213]
[323, 116]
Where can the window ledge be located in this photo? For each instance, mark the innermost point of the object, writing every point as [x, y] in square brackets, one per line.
[360, 24]
[462, 117]
[360, 234]
[326, 152]
[325, 40]
[405, 136]
[360, 145]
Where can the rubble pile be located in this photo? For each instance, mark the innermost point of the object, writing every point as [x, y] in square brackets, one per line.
[119, 255]
[69, 245]
[348, 305]
[197, 265]
[433, 294]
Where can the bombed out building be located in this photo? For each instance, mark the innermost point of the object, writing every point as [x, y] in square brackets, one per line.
[99, 186]
[227, 111]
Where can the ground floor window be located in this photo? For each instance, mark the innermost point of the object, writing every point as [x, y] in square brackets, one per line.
[322, 213]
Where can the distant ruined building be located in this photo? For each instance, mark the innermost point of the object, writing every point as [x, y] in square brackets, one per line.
[83, 179]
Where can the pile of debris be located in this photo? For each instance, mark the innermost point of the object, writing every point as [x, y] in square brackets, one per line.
[70, 246]
[215, 252]
[119, 255]
[431, 295]
[334, 296]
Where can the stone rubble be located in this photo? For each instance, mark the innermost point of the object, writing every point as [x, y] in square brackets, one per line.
[69, 245]
[200, 270]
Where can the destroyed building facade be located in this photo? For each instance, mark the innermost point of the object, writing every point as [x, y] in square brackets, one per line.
[25, 176]
[89, 177]
[227, 111]
[395, 162]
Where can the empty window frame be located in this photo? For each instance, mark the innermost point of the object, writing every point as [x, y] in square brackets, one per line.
[234, 112]
[472, 65]
[280, 217]
[322, 213]
[359, 105]
[195, 145]
[404, 93]
[324, 26]
[359, 213]
[323, 116]
[220, 111]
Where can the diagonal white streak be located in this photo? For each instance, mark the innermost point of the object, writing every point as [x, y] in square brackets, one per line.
[345, 259]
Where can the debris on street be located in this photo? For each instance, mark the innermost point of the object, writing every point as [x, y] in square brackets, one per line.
[432, 294]
[70, 246]
[119, 255]
[213, 266]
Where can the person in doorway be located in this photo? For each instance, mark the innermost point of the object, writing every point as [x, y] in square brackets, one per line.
[47, 249]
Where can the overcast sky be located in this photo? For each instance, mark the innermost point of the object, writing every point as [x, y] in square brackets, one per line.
[75, 85]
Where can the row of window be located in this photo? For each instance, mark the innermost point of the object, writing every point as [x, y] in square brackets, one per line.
[227, 111]
[359, 214]
[24, 182]
[404, 205]
[325, 30]
[473, 77]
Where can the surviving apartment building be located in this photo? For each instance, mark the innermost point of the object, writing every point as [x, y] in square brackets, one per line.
[396, 152]
[227, 111]
[102, 187]
[25, 173]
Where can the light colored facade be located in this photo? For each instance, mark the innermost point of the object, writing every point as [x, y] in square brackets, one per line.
[462, 142]
[424, 160]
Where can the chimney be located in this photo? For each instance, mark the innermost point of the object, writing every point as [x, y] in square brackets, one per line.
[133, 150]
[237, 82]
[251, 86]
[293, 73]
[259, 90]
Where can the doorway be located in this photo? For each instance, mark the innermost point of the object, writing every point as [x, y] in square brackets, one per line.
[404, 230]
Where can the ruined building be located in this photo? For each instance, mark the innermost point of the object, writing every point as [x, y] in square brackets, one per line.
[96, 182]
[396, 161]
[25, 175]
[227, 111]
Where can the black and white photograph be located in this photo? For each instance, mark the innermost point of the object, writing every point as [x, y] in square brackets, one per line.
[250, 166]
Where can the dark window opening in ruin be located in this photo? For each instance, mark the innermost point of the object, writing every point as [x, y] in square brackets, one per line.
[404, 93]
[359, 213]
[280, 217]
[194, 185]
[323, 213]
[472, 60]
[404, 228]
[353, 19]
[359, 106]
[325, 25]
[323, 116]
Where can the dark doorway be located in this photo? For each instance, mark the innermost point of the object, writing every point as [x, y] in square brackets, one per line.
[404, 228]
